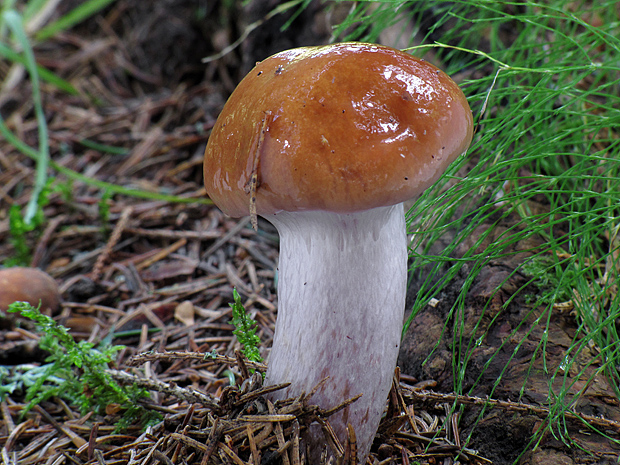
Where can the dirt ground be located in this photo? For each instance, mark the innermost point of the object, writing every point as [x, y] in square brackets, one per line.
[125, 264]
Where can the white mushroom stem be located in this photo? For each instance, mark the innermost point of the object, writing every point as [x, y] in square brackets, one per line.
[341, 301]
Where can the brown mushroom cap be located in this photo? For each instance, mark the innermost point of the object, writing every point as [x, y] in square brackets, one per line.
[28, 285]
[342, 128]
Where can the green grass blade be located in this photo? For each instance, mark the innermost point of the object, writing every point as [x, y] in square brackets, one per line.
[32, 8]
[75, 16]
[44, 73]
[105, 186]
[14, 22]
[104, 147]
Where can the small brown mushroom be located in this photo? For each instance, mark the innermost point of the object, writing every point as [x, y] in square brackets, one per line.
[28, 285]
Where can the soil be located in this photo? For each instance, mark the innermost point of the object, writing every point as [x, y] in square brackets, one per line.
[124, 264]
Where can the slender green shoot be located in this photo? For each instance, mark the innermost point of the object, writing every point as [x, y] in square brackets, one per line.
[45, 74]
[81, 12]
[14, 22]
[105, 186]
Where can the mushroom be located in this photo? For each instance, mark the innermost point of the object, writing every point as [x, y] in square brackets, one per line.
[28, 285]
[326, 143]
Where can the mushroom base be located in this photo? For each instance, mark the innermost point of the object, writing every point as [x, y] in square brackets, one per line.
[341, 301]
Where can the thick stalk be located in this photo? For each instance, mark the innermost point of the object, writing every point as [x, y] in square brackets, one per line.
[341, 299]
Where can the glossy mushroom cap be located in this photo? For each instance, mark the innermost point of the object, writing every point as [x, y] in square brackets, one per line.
[342, 128]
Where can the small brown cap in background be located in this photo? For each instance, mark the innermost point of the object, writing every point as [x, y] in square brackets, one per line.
[28, 285]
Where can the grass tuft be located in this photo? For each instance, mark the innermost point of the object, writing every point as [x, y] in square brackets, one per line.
[543, 81]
